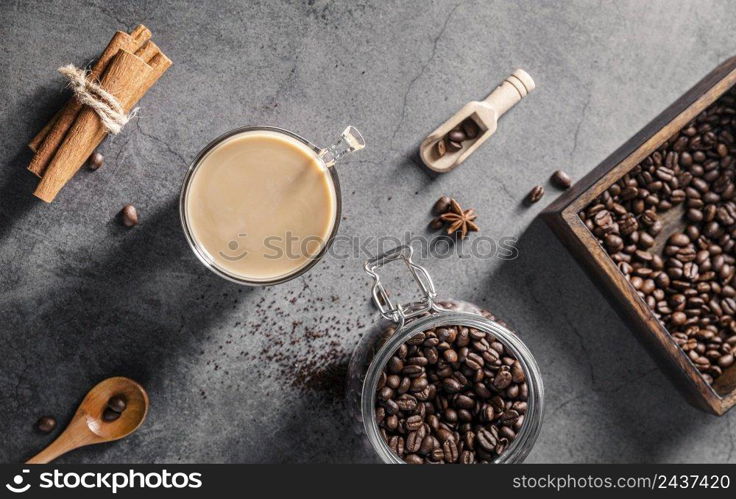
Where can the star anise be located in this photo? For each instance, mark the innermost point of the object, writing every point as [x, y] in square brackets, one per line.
[459, 221]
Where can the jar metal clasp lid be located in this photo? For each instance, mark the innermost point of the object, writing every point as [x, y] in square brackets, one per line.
[398, 312]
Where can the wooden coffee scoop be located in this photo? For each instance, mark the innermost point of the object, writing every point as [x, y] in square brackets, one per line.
[485, 116]
[88, 426]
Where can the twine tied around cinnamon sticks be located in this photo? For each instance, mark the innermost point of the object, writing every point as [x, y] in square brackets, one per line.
[93, 95]
[103, 98]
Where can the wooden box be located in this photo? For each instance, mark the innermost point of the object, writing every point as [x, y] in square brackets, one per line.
[563, 218]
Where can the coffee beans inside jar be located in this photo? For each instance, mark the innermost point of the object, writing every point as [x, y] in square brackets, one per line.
[451, 395]
[681, 263]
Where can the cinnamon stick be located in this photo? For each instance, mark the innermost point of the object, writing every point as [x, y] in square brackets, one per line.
[34, 144]
[65, 163]
[147, 50]
[159, 64]
[124, 79]
[138, 36]
[51, 136]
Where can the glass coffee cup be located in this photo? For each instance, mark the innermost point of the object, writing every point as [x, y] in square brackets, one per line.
[261, 205]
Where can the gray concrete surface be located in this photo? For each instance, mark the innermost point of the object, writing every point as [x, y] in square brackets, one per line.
[252, 375]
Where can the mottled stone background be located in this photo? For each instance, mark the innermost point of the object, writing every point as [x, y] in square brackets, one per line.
[254, 375]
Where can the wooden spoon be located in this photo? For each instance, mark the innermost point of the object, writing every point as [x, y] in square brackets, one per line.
[87, 426]
[485, 113]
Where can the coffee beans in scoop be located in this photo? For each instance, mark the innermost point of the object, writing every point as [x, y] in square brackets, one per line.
[681, 263]
[453, 141]
[109, 415]
[451, 395]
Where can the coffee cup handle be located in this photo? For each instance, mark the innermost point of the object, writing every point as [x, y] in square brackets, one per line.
[350, 141]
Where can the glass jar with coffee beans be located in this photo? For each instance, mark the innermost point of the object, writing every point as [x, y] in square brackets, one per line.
[442, 381]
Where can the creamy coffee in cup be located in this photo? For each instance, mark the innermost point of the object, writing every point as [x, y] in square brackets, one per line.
[260, 205]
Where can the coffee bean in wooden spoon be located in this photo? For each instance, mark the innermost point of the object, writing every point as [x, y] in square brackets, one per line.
[108, 415]
[89, 425]
[117, 403]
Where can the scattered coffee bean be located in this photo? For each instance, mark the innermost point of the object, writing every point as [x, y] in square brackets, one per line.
[561, 179]
[436, 223]
[535, 194]
[689, 284]
[117, 403]
[95, 161]
[441, 205]
[46, 424]
[109, 415]
[129, 215]
[465, 403]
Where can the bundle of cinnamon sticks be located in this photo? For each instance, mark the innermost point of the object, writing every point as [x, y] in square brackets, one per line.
[130, 64]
